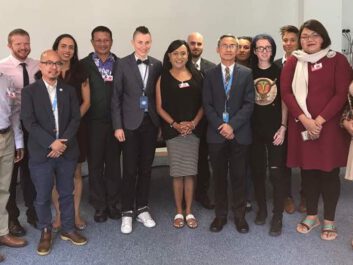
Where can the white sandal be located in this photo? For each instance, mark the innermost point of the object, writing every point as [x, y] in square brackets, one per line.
[178, 221]
[191, 221]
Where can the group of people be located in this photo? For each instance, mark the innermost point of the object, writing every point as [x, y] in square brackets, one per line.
[247, 115]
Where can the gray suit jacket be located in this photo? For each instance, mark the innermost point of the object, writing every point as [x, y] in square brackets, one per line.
[128, 84]
[39, 121]
[240, 104]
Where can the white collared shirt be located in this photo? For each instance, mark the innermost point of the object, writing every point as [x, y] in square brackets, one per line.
[11, 67]
[144, 71]
[10, 109]
[198, 64]
[231, 68]
[52, 91]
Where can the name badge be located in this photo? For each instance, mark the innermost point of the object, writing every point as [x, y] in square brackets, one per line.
[144, 103]
[11, 93]
[108, 78]
[184, 85]
[225, 117]
[316, 67]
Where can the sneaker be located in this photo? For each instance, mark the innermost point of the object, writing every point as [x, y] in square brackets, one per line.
[126, 224]
[146, 219]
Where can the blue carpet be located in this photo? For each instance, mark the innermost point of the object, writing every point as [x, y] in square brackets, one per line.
[167, 245]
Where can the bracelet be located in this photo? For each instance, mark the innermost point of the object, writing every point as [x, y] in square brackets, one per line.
[285, 126]
[171, 124]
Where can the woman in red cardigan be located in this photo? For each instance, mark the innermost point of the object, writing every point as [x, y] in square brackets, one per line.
[314, 86]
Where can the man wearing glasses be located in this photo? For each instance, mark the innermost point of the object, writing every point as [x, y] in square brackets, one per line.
[228, 101]
[50, 113]
[21, 69]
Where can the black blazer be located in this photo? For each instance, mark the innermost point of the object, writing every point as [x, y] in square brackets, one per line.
[205, 66]
[128, 84]
[240, 104]
[38, 119]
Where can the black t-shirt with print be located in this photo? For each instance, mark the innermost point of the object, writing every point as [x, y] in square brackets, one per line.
[267, 115]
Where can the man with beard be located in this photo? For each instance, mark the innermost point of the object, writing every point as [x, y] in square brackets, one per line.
[195, 42]
[21, 69]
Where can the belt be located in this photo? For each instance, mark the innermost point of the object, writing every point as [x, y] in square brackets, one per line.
[6, 130]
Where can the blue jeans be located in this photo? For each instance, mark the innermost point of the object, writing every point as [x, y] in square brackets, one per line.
[43, 174]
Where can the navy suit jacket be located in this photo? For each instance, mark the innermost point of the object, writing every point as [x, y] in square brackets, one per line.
[128, 84]
[240, 103]
[38, 119]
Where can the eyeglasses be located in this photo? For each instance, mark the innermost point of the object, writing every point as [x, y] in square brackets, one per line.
[230, 47]
[51, 63]
[313, 36]
[262, 49]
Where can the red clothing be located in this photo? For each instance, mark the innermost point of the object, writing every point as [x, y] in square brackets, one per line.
[327, 94]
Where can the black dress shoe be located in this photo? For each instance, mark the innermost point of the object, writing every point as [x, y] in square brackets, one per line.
[114, 213]
[217, 224]
[241, 225]
[276, 226]
[16, 229]
[100, 216]
[205, 202]
[261, 218]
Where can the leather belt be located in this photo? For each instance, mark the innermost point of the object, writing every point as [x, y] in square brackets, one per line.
[6, 130]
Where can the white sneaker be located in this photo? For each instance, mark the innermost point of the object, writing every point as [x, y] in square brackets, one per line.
[126, 224]
[146, 219]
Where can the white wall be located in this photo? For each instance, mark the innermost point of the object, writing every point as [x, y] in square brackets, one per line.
[167, 20]
[329, 13]
[347, 19]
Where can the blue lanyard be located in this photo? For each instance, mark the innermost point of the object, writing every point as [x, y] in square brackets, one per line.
[54, 106]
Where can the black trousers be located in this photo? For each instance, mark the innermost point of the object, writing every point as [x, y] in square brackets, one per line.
[138, 154]
[327, 184]
[29, 192]
[287, 174]
[103, 159]
[231, 156]
[203, 175]
[264, 154]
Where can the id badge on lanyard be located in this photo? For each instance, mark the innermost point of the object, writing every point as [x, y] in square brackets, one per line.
[227, 86]
[54, 108]
[144, 98]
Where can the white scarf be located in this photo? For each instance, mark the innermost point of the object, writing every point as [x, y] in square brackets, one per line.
[300, 79]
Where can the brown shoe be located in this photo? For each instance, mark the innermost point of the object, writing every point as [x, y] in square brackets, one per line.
[289, 205]
[12, 241]
[75, 238]
[302, 205]
[45, 242]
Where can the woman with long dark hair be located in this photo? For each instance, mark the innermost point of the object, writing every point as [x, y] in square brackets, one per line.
[74, 74]
[179, 103]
